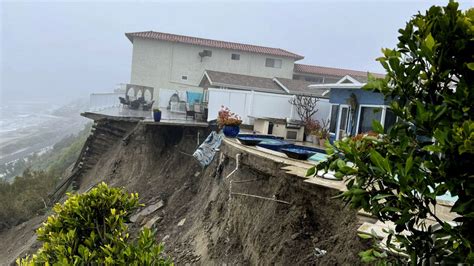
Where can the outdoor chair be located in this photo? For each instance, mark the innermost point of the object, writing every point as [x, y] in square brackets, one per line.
[189, 111]
[198, 112]
[134, 105]
[123, 101]
[193, 101]
[147, 106]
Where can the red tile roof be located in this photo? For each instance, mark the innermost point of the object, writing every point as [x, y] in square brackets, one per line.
[330, 71]
[213, 43]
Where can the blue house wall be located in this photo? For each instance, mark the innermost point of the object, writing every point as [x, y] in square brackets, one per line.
[341, 96]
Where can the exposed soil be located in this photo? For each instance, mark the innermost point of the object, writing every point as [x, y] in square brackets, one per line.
[201, 223]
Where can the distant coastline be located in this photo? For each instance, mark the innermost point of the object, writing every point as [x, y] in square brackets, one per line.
[29, 127]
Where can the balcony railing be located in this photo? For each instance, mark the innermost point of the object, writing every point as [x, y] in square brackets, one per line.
[99, 101]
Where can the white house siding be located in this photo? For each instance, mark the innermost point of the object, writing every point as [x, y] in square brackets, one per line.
[151, 63]
[162, 64]
[250, 104]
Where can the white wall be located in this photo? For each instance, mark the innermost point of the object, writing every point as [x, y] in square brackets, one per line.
[249, 104]
[100, 101]
[161, 64]
[324, 110]
[273, 105]
[239, 102]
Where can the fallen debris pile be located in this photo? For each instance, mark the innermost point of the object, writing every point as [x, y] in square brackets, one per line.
[194, 216]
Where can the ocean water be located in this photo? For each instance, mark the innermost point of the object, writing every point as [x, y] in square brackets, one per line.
[20, 115]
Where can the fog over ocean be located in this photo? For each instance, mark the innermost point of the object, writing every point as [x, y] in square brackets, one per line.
[16, 115]
[30, 126]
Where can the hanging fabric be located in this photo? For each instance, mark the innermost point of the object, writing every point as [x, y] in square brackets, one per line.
[207, 150]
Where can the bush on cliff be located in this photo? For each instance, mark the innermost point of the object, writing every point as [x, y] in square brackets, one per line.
[430, 150]
[25, 197]
[90, 229]
[27, 194]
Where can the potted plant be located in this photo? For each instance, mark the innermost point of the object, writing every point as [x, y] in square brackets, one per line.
[229, 122]
[309, 127]
[156, 114]
[316, 130]
[324, 133]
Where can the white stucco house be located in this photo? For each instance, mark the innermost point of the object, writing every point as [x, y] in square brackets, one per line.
[254, 81]
[170, 61]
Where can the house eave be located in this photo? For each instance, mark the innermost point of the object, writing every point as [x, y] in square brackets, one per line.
[337, 86]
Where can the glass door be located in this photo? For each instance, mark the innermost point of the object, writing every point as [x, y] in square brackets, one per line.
[343, 123]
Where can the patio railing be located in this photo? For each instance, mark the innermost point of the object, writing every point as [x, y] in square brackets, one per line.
[99, 101]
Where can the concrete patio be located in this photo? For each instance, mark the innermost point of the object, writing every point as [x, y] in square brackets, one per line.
[146, 117]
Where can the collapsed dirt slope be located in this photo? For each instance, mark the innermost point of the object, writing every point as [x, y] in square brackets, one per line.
[200, 222]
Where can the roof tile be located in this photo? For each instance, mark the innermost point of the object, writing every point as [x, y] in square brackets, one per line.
[330, 71]
[213, 43]
[244, 82]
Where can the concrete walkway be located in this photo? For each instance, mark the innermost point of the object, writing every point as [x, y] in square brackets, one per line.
[293, 167]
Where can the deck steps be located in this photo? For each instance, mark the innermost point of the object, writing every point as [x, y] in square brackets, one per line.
[104, 134]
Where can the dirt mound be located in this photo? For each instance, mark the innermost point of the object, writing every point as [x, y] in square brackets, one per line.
[200, 222]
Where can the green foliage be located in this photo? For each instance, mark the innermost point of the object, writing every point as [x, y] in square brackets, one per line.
[90, 229]
[25, 197]
[429, 151]
[63, 154]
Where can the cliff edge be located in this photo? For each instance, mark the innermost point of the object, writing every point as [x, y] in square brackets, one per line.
[202, 216]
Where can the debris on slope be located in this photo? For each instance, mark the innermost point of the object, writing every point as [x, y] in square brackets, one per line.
[191, 210]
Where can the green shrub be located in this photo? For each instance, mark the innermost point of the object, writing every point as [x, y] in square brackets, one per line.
[25, 197]
[90, 229]
[27, 194]
[430, 150]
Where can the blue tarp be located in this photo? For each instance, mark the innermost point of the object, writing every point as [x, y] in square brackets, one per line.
[193, 97]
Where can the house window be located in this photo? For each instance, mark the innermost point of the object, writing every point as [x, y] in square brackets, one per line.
[333, 119]
[184, 77]
[367, 115]
[235, 57]
[275, 63]
[344, 119]
[390, 119]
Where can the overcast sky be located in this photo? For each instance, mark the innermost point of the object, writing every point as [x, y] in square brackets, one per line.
[63, 50]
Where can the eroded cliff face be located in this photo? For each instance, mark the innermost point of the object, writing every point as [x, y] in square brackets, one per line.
[202, 223]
